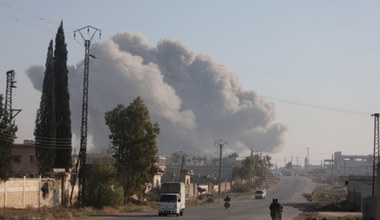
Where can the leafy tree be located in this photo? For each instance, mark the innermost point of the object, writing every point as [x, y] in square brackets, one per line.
[233, 156]
[103, 187]
[45, 130]
[7, 134]
[289, 165]
[177, 157]
[263, 166]
[248, 168]
[253, 168]
[62, 105]
[134, 139]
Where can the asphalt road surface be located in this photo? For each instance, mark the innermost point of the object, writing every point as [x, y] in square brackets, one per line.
[288, 192]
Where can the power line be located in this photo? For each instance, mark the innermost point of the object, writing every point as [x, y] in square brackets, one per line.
[17, 19]
[32, 15]
[319, 106]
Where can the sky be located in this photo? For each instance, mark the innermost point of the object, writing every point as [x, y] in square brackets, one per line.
[278, 77]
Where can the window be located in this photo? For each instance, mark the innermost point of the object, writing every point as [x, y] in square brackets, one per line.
[168, 198]
[16, 159]
[31, 157]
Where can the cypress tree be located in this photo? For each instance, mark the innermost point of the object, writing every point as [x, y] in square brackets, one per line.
[62, 105]
[45, 130]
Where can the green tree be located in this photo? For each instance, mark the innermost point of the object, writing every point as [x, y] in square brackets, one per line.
[263, 166]
[45, 130]
[134, 139]
[178, 156]
[7, 133]
[233, 156]
[248, 168]
[62, 102]
[103, 187]
[253, 168]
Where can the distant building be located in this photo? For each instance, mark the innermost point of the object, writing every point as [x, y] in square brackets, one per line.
[24, 161]
[106, 156]
[348, 165]
[202, 174]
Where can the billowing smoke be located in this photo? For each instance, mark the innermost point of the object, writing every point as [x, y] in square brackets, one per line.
[195, 100]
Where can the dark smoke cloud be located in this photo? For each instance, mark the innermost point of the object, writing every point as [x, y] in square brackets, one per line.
[195, 100]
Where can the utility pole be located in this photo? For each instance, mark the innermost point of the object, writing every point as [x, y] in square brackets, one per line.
[87, 38]
[332, 165]
[285, 161]
[375, 152]
[182, 163]
[291, 162]
[220, 142]
[307, 161]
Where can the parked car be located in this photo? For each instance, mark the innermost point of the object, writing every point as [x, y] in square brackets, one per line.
[260, 194]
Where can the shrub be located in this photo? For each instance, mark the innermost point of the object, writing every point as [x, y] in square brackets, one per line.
[103, 189]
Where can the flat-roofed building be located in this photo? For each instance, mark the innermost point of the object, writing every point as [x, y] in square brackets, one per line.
[24, 161]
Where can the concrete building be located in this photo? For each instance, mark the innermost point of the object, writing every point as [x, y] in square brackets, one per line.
[24, 161]
[348, 165]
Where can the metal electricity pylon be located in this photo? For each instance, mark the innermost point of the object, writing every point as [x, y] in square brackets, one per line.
[8, 110]
[375, 152]
[87, 38]
[220, 142]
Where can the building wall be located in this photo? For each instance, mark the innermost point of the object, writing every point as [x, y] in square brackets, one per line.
[24, 161]
[28, 193]
[359, 188]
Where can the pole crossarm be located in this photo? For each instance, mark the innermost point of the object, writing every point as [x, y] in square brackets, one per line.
[91, 31]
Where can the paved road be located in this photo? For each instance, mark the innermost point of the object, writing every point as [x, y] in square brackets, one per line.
[288, 191]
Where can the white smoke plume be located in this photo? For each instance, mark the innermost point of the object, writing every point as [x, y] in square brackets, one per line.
[195, 100]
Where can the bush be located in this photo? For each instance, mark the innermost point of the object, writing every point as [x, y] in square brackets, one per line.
[107, 193]
[103, 189]
[240, 188]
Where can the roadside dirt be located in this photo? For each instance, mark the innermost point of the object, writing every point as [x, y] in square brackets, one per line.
[327, 201]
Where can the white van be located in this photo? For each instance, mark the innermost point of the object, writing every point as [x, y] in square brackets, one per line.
[260, 194]
[172, 199]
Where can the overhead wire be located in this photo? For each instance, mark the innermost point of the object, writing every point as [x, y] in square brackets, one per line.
[18, 19]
